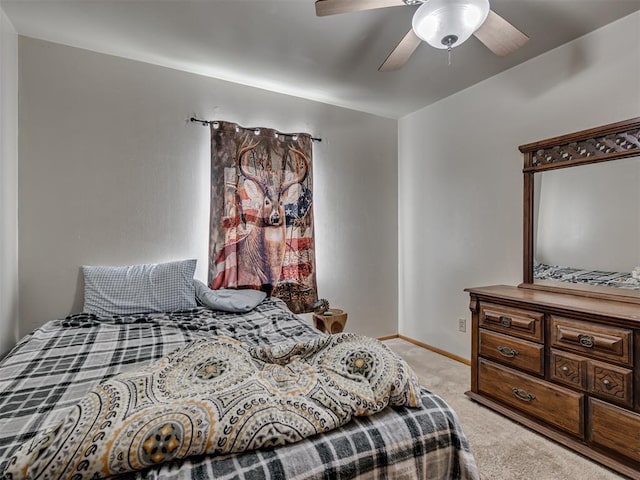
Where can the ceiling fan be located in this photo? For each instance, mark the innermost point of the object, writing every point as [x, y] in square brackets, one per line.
[441, 23]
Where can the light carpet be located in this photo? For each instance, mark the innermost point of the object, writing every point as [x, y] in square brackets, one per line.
[503, 449]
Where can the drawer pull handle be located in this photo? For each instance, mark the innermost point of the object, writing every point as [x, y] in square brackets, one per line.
[505, 321]
[523, 394]
[586, 340]
[606, 383]
[507, 351]
[565, 369]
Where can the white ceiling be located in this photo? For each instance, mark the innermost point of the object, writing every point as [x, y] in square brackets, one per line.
[281, 45]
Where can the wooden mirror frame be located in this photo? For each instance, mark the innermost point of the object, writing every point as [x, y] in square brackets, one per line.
[600, 144]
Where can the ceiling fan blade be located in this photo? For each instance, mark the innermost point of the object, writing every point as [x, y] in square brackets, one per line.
[500, 36]
[399, 56]
[333, 7]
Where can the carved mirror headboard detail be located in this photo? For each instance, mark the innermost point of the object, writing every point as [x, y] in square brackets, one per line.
[596, 145]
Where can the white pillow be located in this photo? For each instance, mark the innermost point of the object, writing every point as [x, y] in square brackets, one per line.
[163, 287]
[235, 301]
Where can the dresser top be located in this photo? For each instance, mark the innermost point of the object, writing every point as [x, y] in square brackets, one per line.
[561, 301]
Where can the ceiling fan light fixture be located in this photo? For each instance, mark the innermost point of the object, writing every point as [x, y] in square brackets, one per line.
[448, 23]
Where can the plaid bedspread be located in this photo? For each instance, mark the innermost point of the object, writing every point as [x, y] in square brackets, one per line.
[52, 368]
[601, 278]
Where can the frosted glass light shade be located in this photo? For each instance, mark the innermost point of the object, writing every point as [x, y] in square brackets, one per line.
[444, 23]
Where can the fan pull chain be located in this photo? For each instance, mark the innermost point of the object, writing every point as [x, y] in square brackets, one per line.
[449, 41]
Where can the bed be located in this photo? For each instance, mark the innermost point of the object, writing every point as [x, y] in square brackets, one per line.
[50, 369]
[626, 280]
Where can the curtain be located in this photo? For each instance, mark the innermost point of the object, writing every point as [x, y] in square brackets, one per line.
[261, 225]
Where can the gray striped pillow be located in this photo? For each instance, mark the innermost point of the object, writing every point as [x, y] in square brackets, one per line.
[163, 287]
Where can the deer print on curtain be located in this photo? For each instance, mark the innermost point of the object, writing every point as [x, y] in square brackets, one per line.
[262, 214]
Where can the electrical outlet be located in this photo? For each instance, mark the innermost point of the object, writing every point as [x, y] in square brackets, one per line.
[462, 324]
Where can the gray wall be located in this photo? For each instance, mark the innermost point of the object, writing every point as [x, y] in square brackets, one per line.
[460, 180]
[8, 184]
[111, 172]
[589, 217]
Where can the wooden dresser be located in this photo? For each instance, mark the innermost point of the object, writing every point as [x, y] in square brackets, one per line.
[567, 366]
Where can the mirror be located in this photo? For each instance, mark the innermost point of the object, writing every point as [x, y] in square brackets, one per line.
[581, 212]
[586, 224]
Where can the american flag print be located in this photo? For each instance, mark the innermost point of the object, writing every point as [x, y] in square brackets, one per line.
[261, 224]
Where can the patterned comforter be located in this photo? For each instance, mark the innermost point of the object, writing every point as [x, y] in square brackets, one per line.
[50, 370]
[600, 278]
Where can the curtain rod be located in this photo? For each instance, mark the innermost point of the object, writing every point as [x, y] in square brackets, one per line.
[213, 122]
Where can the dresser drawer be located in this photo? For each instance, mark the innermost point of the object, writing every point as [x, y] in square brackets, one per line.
[568, 368]
[555, 405]
[610, 382]
[615, 428]
[600, 341]
[511, 351]
[513, 321]
[602, 379]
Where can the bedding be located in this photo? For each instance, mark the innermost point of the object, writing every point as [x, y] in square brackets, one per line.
[50, 370]
[228, 300]
[625, 280]
[122, 290]
[217, 396]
